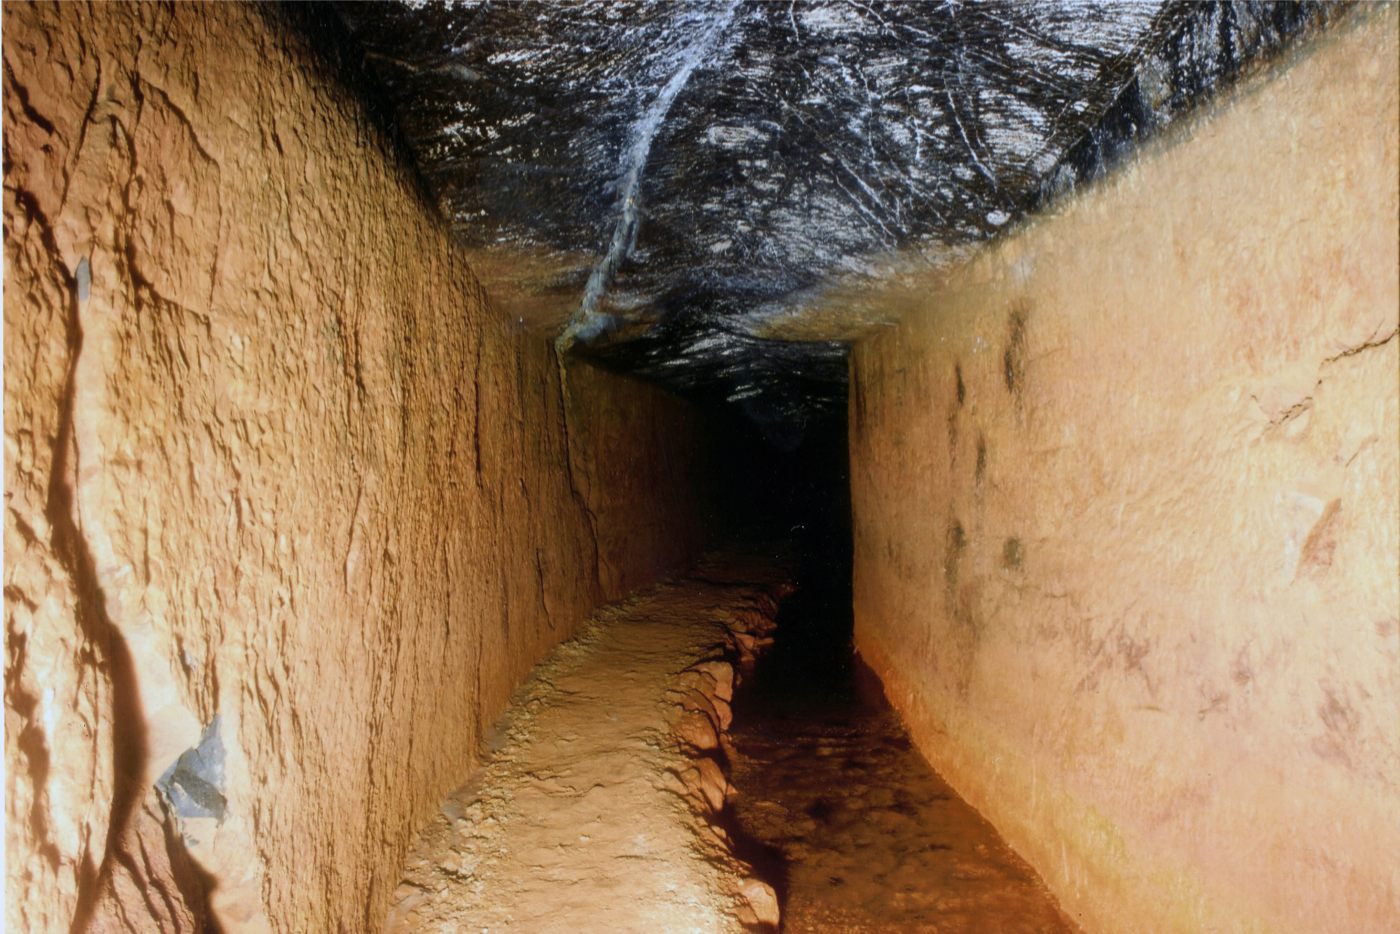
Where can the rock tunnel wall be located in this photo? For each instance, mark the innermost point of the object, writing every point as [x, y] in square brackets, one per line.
[289, 510]
[677, 485]
[1126, 517]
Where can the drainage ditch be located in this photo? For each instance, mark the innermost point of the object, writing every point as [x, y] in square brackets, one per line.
[839, 812]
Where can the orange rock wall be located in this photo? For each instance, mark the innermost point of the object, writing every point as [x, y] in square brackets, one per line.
[271, 463]
[678, 483]
[1127, 517]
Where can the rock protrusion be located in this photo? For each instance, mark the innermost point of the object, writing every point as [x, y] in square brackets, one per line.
[702, 696]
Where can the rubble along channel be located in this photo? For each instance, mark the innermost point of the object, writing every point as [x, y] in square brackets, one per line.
[851, 826]
[602, 803]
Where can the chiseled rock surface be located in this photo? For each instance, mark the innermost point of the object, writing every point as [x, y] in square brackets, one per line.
[283, 497]
[602, 806]
[1145, 616]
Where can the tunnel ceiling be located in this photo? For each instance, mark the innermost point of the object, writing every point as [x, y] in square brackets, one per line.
[688, 190]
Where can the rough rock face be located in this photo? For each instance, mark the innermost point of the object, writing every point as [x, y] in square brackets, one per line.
[701, 166]
[679, 480]
[1203, 47]
[703, 189]
[1146, 616]
[289, 510]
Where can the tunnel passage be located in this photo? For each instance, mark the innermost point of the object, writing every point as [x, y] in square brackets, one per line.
[358, 358]
[833, 805]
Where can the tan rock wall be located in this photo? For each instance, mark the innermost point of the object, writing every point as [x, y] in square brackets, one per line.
[271, 463]
[1127, 518]
[677, 480]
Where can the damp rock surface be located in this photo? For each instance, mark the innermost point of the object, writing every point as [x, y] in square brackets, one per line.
[849, 822]
[869, 837]
[699, 191]
[601, 805]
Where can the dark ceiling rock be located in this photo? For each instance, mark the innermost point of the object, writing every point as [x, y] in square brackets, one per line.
[680, 189]
[1204, 47]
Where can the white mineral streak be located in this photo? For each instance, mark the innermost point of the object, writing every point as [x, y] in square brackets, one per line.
[586, 322]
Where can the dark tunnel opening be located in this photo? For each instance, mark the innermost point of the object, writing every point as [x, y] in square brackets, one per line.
[836, 807]
[803, 494]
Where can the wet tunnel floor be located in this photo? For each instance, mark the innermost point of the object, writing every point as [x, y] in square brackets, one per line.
[844, 816]
[593, 809]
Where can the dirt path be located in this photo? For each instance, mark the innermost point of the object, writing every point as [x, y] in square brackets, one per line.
[605, 805]
[600, 807]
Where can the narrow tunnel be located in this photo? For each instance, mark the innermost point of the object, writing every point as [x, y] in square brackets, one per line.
[704, 466]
